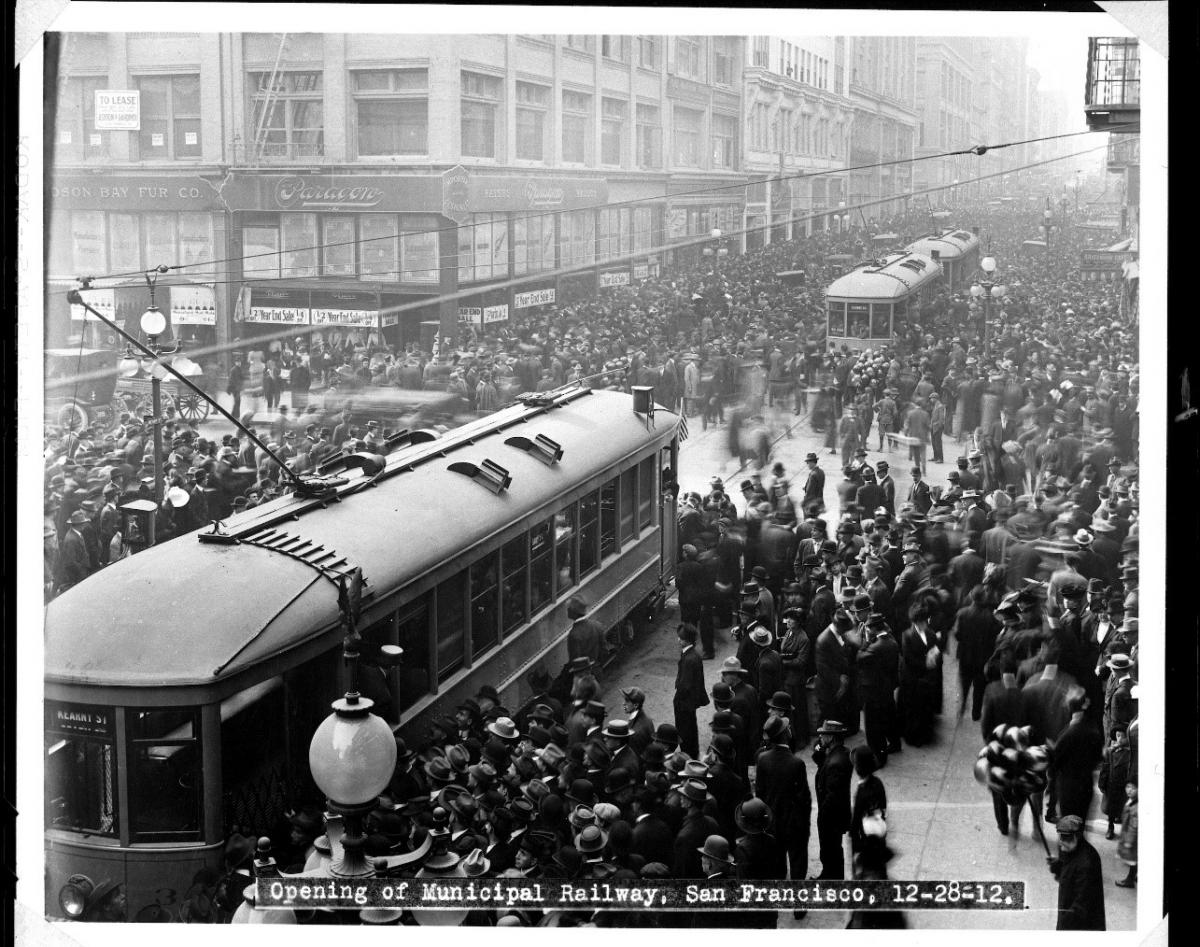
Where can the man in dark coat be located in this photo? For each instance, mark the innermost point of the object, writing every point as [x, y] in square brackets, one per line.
[641, 727]
[1077, 753]
[652, 836]
[724, 784]
[585, 639]
[795, 653]
[1080, 882]
[878, 666]
[814, 486]
[835, 667]
[781, 781]
[693, 582]
[887, 485]
[1001, 705]
[759, 853]
[833, 797]
[690, 693]
[918, 492]
[73, 563]
[718, 863]
[695, 829]
[975, 631]
[768, 669]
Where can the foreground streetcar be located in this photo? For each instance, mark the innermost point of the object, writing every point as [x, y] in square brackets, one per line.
[183, 685]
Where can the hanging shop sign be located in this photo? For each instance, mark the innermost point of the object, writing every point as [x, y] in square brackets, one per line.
[118, 110]
[538, 297]
[279, 306]
[614, 279]
[471, 314]
[495, 313]
[193, 306]
[465, 193]
[347, 308]
[641, 271]
[104, 301]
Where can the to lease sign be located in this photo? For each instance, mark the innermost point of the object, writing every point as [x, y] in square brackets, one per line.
[118, 110]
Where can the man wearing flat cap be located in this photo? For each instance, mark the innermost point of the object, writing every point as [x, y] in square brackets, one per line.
[1080, 881]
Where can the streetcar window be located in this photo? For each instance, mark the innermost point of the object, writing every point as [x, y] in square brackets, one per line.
[589, 529]
[514, 561]
[81, 769]
[165, 784]
[837, 320]
[646, 493]
[541, 565]
[564, 549]
[253, 758]
[451, 623]
[485, 611]
[628, 500]
[608, 519]
[857, 319]
[412, 634]
[881, 314]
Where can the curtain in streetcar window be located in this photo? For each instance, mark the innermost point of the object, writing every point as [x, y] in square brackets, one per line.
[589, 528]
[608, 519]
[541, 565]
[485, 588]
[451, 621]
[646, 493]
[81, 768]
[564, 546]
[628, 490]
[165, 780]
[514, 561]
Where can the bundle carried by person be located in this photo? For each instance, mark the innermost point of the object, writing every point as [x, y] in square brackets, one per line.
[1010, 766]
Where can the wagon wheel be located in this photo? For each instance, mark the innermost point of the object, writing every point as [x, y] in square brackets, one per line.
[72, 417]
[192, 408]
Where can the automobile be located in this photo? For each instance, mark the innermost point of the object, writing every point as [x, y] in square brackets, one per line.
[80, 387]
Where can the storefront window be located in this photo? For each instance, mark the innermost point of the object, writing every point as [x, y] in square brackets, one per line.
[261, 247]
[88, 243]
[420, 256]
[196, 244]
[159, 237]
[125, 242]
[337, 242]
[643, 224]
[380, 247]
[298, 234]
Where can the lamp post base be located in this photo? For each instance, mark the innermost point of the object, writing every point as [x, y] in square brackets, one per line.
[353, 862]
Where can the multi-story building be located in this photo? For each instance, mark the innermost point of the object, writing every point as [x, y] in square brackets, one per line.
[798, 122]
[956, 110]
[341, 179]
[882, 88]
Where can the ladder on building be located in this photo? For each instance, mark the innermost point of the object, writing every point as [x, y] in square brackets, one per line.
[267, 107]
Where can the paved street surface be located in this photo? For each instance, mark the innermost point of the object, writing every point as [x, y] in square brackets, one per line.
[940, 821]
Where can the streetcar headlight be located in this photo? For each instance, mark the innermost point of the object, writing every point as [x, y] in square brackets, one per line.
[73, 897]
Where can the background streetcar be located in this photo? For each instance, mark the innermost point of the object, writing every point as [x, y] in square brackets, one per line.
[956, 250]
[865, 307]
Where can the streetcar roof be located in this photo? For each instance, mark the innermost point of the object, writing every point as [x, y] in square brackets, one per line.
[897, 275]
[950, 245]
[192, 613]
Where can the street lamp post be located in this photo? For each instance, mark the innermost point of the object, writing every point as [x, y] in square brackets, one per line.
[153, 324]
[985, 290]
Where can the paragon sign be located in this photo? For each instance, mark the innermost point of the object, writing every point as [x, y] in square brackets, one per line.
[295, 193]
[465, 193]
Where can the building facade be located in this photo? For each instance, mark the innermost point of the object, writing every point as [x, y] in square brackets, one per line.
[798, 123]
[341, 180]
[882, 89]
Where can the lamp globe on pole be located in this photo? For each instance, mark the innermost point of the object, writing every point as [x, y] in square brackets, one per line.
[153, 322]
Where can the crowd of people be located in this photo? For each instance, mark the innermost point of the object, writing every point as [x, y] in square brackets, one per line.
[1023, 564]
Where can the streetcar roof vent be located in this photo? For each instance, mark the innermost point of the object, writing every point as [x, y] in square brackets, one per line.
[917, 266]
[548, 451]
[488, 474]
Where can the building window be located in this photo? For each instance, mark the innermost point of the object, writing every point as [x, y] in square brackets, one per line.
[393, 111]
[762, 51]
[287, 115]
[298, 233]
[723, 47]
[688, 129]
[584, 44]
[615, 47]
[261, 246]
[380, 248]
[533, 103]
[170, 117]
[533, 244]
[643, 228]
[648, 57]
[687, 57]
[576, 126]
[483, 248]
[612, 131]
[337, 243]
[724, 136]
[480, 103]
[76, 120]
[649, 136]
[577, 238]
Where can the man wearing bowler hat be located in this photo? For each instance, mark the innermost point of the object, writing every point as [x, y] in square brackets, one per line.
[617, 738]
[814, 486]
[696, 827]
[833, 796]
[781, 782]
[759, 854]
